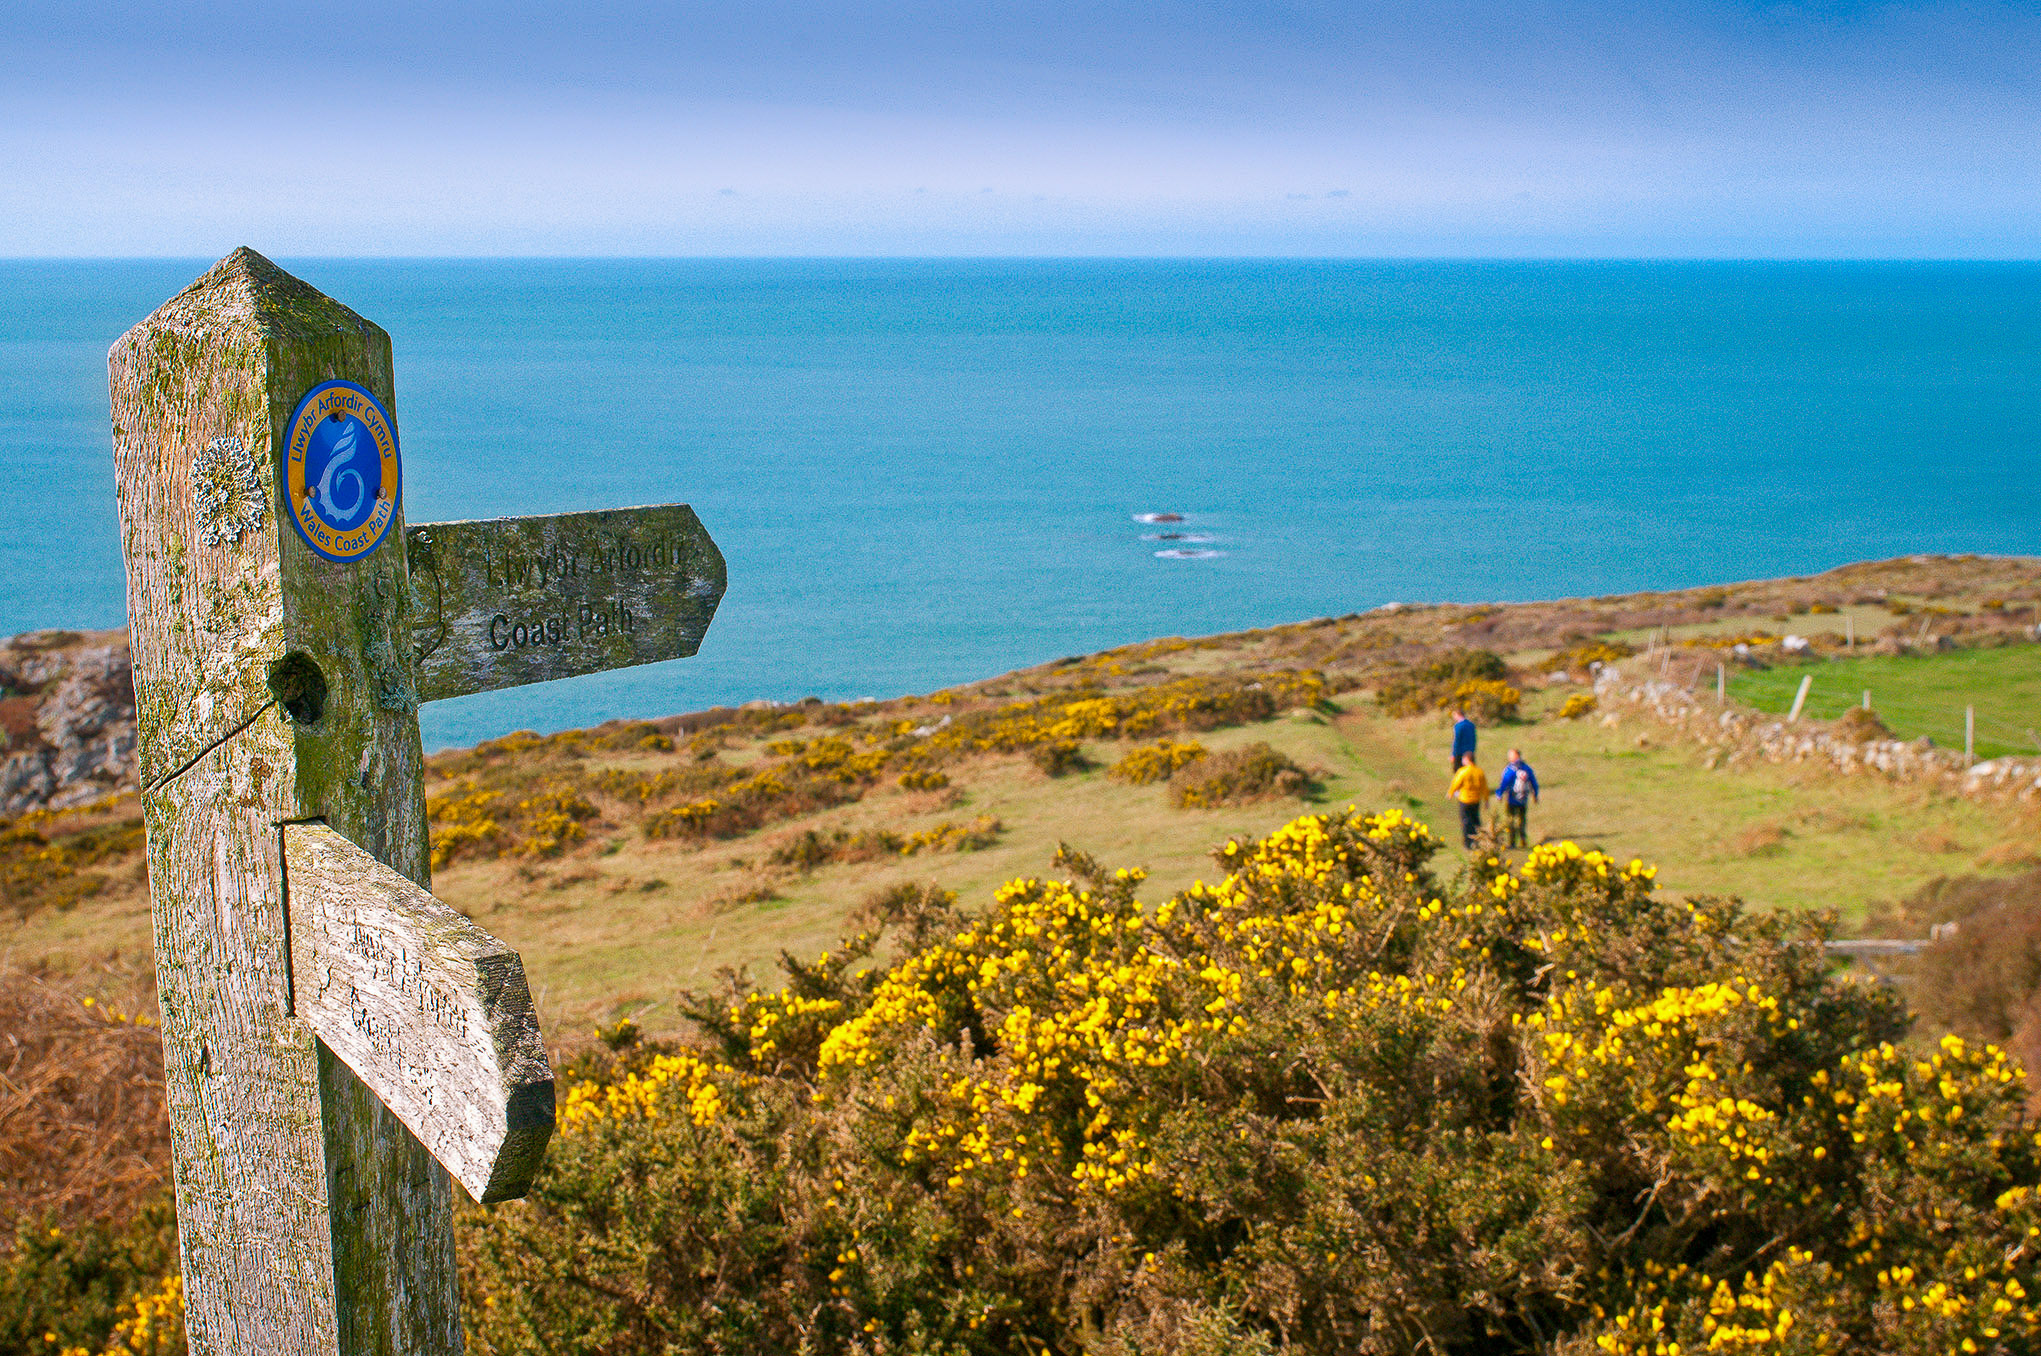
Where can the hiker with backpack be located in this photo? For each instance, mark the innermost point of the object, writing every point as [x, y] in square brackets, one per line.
[1516, 789]
[1469, 788]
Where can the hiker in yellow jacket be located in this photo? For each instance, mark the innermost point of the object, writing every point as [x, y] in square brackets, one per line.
[1470, 788]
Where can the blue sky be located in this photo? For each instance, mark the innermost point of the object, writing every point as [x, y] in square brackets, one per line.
[1157, 127]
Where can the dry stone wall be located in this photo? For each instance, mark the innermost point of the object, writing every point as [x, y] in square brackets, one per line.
[1741, 735]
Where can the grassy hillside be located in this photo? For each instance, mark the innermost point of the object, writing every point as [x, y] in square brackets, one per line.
[632, 861]
[635, 860]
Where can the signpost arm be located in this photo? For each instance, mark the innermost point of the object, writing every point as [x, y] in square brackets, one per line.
[427, 1009]
[272, 687]
[500, 602]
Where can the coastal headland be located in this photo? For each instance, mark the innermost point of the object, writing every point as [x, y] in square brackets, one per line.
[890, 996]
[640, 857]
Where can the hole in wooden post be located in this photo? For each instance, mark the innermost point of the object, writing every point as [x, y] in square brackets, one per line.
[299, 687]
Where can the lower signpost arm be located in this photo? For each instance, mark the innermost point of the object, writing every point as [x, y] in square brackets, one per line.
[431, 1012]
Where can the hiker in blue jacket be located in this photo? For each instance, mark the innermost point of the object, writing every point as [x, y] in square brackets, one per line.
[1517, 788]
[1463, 737]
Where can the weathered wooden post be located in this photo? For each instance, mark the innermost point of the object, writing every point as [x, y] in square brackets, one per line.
[336, 1041]
[1800, 698]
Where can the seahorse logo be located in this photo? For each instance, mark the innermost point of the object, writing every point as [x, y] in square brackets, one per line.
[342, 478]
[342, 452]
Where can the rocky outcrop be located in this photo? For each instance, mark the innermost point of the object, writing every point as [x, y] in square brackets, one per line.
[1742, 735]
[67, 719]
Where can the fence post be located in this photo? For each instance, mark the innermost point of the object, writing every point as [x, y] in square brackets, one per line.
[1969, 734]
[1867, 699]
[1800, 698]
[1721, 684]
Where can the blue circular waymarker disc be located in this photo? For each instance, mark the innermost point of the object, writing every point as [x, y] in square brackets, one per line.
[342, 478]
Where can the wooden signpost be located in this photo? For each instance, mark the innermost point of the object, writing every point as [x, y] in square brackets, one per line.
[339, 1046]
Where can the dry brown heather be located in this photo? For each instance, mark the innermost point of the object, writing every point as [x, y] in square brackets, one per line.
[82, 1131]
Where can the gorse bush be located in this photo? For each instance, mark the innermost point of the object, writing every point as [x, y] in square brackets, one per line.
[1155, 762]
[811, 848]
[52, 859]
[1487, 700]
[98, 1286]
[1981, 976]
[1861, 725]
[1330, 1103]
[1059, 759]
[1432, 686]
[87, 1230]
[1587, 655]
[1236, 777]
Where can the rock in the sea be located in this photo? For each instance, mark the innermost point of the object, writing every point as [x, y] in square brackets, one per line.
[67, 719]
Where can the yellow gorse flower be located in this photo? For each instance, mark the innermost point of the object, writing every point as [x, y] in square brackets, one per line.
[1080, 987]
[693, 1084]
[155, 1328]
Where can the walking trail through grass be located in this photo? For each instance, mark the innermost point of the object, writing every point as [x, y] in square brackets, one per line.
[1781, 837]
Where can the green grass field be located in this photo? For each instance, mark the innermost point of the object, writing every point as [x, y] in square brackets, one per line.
[1919, 695]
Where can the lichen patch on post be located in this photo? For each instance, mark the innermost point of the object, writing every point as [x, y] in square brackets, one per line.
[226, 492]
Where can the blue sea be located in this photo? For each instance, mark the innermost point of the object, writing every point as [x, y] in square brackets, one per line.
[925, 472]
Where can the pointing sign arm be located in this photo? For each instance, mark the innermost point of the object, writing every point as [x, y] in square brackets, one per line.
[500, 602]
[432, 1013]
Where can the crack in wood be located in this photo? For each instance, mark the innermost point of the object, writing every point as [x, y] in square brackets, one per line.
[193, 761]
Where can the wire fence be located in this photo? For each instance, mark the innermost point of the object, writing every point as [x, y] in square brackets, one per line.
[1985, 728]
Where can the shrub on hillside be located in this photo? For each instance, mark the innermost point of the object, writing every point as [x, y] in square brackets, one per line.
[1155, 762]
[104, 1285]
[84, 1166]
[1583, 657]
[1059, 759]
[1487, 700]
[1330, 1103]
[1236, 777]
[812, 847]
[52, 859]
[83, 1131]
[524, 793]
[1430, 686]
[1861, 725]
[778, 791]
[1191, 704]
[1980, 976]
[1577, 704]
